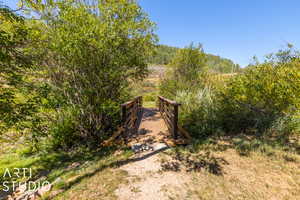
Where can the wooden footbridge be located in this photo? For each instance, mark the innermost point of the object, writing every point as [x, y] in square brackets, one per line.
[161, 122]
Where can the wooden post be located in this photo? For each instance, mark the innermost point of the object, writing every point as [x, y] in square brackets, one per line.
[141, 103]
[124, 119]
[159, 104]
[137, 111]
[175, 122]
[123, 108]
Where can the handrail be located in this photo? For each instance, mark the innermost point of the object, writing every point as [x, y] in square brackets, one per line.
[169, 101]
[128, 103]
[169, 112]
[130, 114]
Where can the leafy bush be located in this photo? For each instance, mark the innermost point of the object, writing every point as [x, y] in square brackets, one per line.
[150, 97]
[97, 52]
[88, 54]
[263, 99]
[184, 71]
[163, 55]
[261, 96]
[22, 93]
[63, 131]
[198, 112]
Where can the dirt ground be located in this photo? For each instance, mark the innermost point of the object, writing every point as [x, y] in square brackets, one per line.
[252, 177]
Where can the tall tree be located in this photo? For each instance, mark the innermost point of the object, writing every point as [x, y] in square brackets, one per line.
[91, 51]
[20, 96]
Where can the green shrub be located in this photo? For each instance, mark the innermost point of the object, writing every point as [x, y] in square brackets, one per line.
[89, 56]
[150, 98]
[262, 100]
[261, 97]
[63, 131]
[198, 112]
[184, 71]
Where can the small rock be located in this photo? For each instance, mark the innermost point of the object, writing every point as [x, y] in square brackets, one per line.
[136, 147]
[141, 147]
[44, 189]
[73, 165]
[58, 180]
[159, 146]
[55, 193]
[21, 189]
[10, 197]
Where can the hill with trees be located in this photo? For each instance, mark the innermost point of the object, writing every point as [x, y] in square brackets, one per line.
[164, 55]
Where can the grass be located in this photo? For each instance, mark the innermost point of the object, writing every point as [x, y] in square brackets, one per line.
[93, 172]
[94, 178]
[98, 179]
[272, 173]
[99, 186]
[253, 177]
[149, 104]
[249, 169]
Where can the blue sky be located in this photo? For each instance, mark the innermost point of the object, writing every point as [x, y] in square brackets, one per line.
[234, 29]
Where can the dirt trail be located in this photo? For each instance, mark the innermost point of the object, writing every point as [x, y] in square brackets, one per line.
[146, 181]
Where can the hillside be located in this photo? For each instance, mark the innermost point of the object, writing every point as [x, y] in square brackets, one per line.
[165, 53]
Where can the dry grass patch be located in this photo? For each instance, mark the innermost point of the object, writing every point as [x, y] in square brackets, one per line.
[100, 186]
[256, 176]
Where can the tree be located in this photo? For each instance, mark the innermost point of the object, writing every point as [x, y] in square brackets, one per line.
[20, 96]
[91, 51]
[188, 64]
[184, 71]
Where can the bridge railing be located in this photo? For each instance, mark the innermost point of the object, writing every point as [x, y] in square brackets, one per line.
[131, 111]
[169, 112]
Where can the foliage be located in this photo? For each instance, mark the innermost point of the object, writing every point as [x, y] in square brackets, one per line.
[188, 63]
[90, 56]
[188, 82]
[199, 111]
[216, 64]
[22, 95]
[184, 71]
[66, 68]
[165, 54]
[58, 167]
[262, 95]
[263, 100]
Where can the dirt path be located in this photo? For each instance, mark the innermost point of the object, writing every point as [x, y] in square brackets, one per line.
[146, 181]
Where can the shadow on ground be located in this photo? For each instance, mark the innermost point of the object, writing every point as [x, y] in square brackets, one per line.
[113, 164]
[149, 114]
